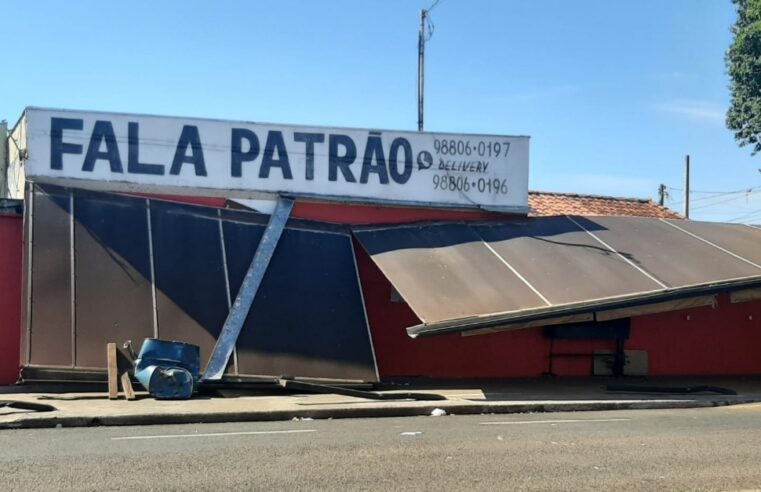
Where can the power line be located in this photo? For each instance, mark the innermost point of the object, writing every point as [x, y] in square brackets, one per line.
[429, 22]
[753, 215]
[433, 5]
[722, 201]
[744, 190]
[708, 191]
[738, 194]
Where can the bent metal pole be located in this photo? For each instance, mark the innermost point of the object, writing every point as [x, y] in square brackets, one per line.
[245, 298]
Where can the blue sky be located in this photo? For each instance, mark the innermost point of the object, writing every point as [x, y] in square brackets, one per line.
[613, 94]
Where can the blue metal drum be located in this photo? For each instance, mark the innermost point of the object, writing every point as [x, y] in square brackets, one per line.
[168, 369]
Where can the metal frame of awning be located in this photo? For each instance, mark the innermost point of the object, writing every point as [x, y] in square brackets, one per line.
[510, 320]
[697, 261]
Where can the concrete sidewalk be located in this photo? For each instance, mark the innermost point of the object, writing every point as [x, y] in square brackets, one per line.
[462, 397]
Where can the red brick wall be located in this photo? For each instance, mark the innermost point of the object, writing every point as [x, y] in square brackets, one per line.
[11, 246]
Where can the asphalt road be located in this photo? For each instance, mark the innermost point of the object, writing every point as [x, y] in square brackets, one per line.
[707, 449]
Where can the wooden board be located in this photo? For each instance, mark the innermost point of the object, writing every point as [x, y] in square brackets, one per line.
[129, 393]
[113, 385]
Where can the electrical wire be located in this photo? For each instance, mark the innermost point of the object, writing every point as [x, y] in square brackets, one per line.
[716, 195]
[724, 201]
[428, 22]
[714, 192]
[753, 215]
[433, 6]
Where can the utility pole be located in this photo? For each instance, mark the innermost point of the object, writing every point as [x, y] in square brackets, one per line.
[661, 194]
[424, 22]
[687, 186]
[421, 69]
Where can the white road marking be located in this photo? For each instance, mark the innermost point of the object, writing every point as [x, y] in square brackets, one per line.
[570, 421]
[214, 434]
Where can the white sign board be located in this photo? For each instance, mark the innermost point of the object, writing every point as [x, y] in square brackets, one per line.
[125, 152]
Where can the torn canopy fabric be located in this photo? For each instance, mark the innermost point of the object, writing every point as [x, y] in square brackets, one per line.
[461, 277]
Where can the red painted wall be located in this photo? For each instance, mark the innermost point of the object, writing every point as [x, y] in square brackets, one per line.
[721, 340]
[716, 341]
[520, 353]
[343, 213]
[11, 246]
[724, 340]
[371, 214]
[206, 201]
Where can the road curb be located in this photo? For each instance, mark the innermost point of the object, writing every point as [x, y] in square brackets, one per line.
[31, 421]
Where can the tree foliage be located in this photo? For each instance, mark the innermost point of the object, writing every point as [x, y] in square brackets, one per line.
[744, 65]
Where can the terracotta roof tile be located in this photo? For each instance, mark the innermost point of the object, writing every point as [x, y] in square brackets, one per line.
[550, 203]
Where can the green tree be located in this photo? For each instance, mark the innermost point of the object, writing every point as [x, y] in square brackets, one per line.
[744, 65]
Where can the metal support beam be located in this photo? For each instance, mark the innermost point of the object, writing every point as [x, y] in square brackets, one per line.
[248, 289]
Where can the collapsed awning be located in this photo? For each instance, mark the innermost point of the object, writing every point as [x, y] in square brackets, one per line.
[464, 277]
[103, 268]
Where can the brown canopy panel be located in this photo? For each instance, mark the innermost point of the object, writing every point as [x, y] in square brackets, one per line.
[103, 267]
[462, 277]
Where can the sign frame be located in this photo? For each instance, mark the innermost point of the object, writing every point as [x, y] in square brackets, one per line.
[125, 152]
